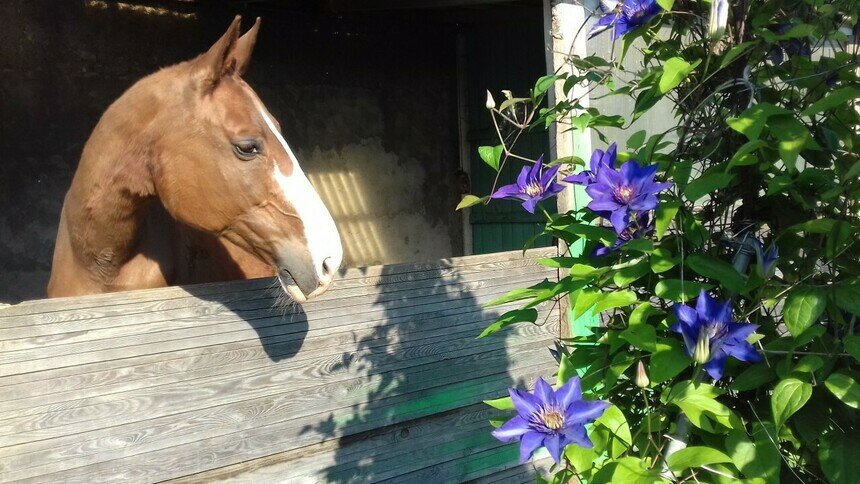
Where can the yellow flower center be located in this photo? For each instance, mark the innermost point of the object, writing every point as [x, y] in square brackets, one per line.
[624, 193]
[533, 189]
[702, 352]
[552, 418]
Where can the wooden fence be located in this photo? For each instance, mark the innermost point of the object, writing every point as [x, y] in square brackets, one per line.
[379, 379]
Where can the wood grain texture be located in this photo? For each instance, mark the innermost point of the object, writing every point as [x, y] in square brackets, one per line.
[380, 379]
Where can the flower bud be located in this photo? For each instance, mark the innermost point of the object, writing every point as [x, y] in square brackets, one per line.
[702, 353]
[491, 103]
[642, 380]
[718, 19]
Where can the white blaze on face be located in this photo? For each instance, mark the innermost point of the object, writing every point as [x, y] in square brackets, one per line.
[320, 231]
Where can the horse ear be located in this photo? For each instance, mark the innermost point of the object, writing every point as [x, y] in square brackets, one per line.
[215, 63]
[240, 56]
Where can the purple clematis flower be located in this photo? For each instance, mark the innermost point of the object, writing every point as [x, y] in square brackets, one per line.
[551, 419]
[766, 260]
[625, 16]
[599, 159]
[532, 186]
[619, 192]
[641, 227]
[710, 335]
[789, 47]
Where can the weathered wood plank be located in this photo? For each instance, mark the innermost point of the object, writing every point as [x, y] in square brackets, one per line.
[137, 345]
[174, 382]
[354, 456]
[267, 439]
[407, 350]
[161, 317]
[452, 323]
[368, 275]
[277, 345]
[155, 311]
[168, 400]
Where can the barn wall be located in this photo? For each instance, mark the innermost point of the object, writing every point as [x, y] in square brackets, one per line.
[369, 105]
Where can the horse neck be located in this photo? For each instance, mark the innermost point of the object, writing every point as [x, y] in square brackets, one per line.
[105, 207]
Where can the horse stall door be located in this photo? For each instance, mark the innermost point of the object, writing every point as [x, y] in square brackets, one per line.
[510, 61]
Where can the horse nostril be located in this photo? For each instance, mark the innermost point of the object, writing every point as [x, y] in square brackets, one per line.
[328, 267]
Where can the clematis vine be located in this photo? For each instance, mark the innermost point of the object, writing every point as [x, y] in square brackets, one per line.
[710, 335]
[766, 260]
[642, 226]
[624, 16]
[532, 186]
[550, 418]
[599, 159]
[618, 193]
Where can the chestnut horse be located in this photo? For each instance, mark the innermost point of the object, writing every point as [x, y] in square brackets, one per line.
[187, 178]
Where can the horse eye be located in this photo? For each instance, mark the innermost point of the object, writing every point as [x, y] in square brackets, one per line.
[247, 149]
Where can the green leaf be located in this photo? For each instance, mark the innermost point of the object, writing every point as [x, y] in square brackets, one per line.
[838, 456]
[778, 183]
[629, 470]
[788, 397]
[504, 403]
[751, 122]
[470, 200]
[844, 388]
[666, 4]
[847, 297]
[700, 405]
[852, 346]
[543, 84]
[615, 431]
[509, 318]
[566, 370]
[589, 232]
[675, 70]
[757, 458]
[671, 289]
[735, 51]
[664, 215]
[662, 260]
[639, 245]
[521, 293]
[625, 276]
[642, 312]
[492, 155]
[803, 306]
[642, 336]
[743, 156]
[808, 364]
[834, 99]
[636, 140]
[718, 270]
[615, 299]
[793, 137]
[706, 184]
[585, 300]
[667, 361]
[752, 378]
[696, 456]
[815, 226]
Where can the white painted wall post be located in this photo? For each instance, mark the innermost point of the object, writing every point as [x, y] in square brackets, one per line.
[562, 22]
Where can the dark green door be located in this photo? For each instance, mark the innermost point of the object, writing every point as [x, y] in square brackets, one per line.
[503, 56]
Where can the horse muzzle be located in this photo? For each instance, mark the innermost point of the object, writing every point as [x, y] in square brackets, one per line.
[302, 280]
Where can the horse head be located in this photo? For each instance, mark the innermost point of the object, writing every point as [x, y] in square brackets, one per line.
[224, 167]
